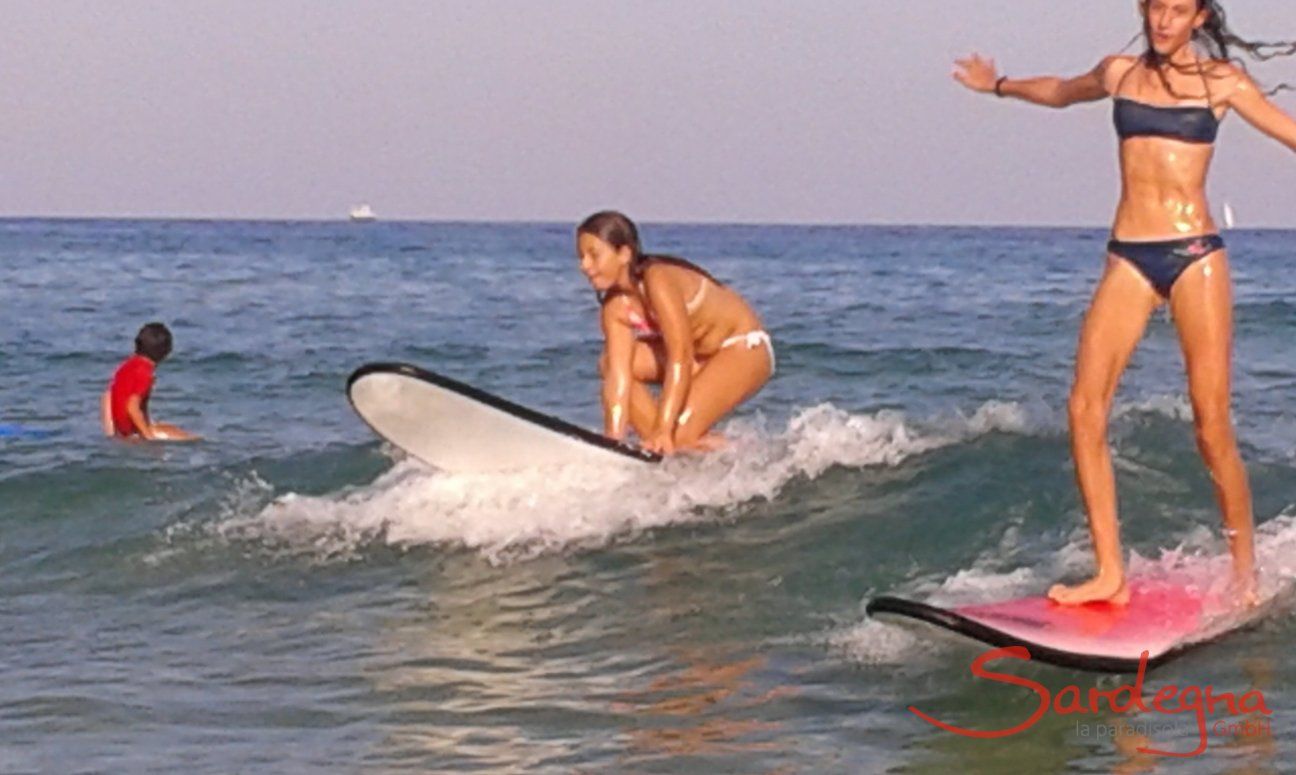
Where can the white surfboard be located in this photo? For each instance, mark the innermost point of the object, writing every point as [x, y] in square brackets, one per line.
[458, 428]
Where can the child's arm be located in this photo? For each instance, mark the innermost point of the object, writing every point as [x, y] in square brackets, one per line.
[138, 418]
[105, 414]
[163, 431]
[155, 431]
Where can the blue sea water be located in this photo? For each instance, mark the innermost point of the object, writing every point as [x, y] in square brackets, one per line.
[289, 595]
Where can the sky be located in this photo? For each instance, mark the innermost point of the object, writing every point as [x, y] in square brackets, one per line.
[748, 111]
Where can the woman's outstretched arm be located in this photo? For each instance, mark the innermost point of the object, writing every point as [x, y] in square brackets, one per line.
[1255, 108]
[981, 75]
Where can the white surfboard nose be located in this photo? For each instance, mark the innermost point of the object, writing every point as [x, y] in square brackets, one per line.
[458, 428]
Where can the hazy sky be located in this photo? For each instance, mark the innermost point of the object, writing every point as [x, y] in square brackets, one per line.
[837, 111]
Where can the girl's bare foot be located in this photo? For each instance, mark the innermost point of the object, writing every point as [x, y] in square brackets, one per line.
[1100, 589]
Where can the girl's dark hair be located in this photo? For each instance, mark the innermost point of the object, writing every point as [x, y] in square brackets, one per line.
[153, 342]
[1216, 40]
[617, 230]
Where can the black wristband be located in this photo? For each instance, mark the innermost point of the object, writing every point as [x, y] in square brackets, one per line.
[998, 89]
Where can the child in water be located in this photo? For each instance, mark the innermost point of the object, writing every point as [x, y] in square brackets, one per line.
[124, 407]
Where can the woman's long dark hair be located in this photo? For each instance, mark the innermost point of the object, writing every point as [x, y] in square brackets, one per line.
[616, 230]
[1216, 40]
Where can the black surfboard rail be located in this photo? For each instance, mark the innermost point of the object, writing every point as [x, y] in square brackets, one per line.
[550, 422]
[957, 623]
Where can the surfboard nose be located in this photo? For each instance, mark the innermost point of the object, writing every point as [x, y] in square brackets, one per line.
[456, 427]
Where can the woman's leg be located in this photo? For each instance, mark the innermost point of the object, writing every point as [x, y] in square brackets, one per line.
[1111, 330]
[1202, 301]
[728, 378]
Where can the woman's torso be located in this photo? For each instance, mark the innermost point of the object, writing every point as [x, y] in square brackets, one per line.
[715, 311]
[1165, 157]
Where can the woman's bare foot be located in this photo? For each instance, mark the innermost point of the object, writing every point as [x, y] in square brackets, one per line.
[1247, 589]
[1100, 589]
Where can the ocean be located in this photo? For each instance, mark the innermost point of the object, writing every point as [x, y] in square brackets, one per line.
[291, 595]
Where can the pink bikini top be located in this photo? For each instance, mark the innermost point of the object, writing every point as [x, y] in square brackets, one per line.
[647, 327]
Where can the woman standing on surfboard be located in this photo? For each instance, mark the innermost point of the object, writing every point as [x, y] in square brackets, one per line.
[669, 323]
[1164, 247]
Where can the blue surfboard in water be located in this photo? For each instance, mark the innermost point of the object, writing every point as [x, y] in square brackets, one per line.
[11, 431]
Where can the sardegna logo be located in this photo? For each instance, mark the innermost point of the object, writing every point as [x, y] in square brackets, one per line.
[1171, 700]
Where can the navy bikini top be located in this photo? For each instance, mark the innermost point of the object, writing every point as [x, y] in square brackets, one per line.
[1195, 124]
[1189, 124]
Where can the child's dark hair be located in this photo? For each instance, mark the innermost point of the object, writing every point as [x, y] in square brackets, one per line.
[153, 342]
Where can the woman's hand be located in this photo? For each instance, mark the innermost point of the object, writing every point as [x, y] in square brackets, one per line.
[976, 73]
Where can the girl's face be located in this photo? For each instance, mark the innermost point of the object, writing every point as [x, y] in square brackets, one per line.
[1171, 23]
[602, 264]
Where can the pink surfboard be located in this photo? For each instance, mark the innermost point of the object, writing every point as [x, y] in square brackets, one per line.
[1162, 618]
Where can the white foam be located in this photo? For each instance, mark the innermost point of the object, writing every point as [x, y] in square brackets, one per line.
[976, 585]
[1174, 406]
[873, 642]
[824, 436]
[1276, 554]
[1002, 416]
[513, 516]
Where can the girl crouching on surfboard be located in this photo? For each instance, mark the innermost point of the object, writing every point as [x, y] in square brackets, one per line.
[667, 322]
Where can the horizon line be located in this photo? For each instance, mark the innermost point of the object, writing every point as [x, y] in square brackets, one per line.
[548, 222]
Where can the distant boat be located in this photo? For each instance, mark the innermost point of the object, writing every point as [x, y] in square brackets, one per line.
[362, 212]
[1229, 220]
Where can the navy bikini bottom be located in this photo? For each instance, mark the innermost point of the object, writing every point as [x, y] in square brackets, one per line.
[1162, 262]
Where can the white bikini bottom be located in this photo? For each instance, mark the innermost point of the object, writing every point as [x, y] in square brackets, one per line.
[752, 340]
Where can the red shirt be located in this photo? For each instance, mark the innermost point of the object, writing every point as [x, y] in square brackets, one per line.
[133, 378]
